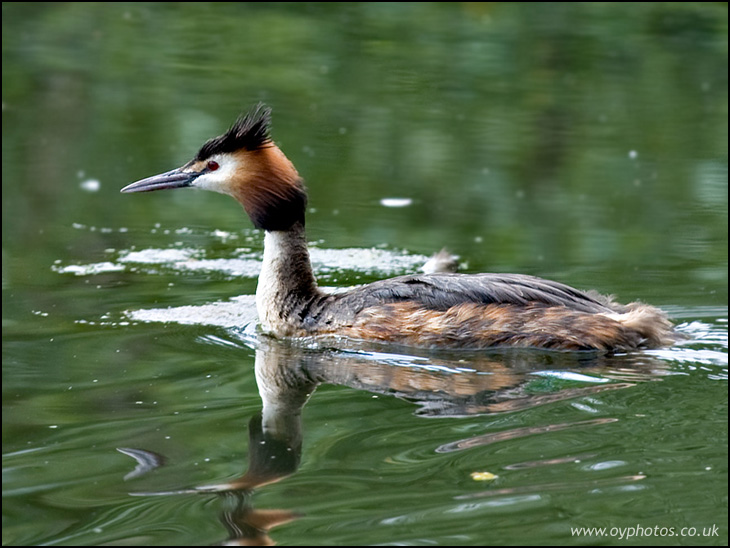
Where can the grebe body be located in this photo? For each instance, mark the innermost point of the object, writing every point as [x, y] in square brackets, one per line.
[432, 310]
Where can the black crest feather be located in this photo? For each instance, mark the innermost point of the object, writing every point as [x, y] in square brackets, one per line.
[249, 132]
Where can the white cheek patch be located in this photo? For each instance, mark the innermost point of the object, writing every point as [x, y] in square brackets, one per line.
[220, 179]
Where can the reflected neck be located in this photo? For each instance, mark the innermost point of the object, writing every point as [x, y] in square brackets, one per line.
[286, 284]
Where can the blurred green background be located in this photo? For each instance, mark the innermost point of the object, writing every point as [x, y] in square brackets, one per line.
[531, 137]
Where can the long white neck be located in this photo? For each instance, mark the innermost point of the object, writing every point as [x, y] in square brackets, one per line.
[286, 283]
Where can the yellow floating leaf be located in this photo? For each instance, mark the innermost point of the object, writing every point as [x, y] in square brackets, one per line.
[483, 476]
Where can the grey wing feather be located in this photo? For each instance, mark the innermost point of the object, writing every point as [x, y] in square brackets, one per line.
[442, 291]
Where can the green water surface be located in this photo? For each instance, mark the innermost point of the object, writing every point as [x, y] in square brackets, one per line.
[585, 143]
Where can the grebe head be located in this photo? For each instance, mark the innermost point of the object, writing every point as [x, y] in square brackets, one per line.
[246, 164]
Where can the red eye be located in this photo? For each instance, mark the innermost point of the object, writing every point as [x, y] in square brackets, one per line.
[213, 165]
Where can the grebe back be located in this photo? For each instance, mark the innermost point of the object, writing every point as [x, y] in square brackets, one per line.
[442, 310]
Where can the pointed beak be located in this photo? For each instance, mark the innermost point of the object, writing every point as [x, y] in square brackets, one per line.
[171, 179]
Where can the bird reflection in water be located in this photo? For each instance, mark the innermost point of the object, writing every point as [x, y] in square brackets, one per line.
[447, 385]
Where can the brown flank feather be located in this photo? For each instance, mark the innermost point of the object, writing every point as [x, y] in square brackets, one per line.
[471, 325]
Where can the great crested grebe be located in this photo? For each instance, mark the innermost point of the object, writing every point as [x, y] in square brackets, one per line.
[431, 310]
